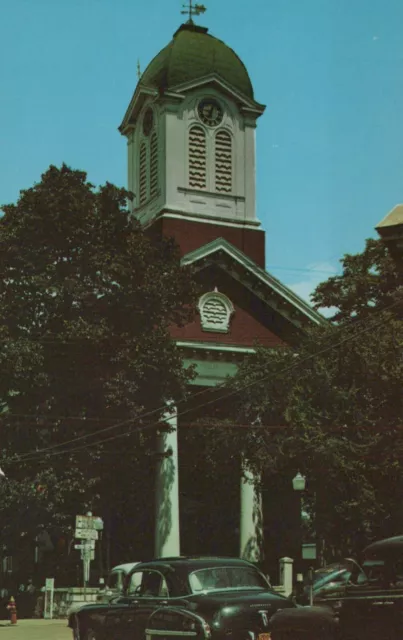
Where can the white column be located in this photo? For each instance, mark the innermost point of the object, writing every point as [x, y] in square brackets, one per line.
[167, 540]
[286, 579]
[251, 517]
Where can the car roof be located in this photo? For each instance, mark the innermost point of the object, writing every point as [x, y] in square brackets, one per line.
[384, 547]
[126, 567]
[196, 562]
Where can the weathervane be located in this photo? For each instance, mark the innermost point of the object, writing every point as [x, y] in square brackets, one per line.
[193, 10]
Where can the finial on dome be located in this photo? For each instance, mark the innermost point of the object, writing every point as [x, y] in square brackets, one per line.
[138, 70]
[193, 10]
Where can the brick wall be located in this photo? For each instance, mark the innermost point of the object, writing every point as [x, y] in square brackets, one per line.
[244, 330]
[191, 235]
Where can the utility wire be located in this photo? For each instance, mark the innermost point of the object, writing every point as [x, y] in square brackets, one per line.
[35, 454]
[352, 322]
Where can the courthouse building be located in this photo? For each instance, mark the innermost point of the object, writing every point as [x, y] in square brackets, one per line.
[191, 132]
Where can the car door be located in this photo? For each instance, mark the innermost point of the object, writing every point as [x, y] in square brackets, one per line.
[121, 621]
[152, 594]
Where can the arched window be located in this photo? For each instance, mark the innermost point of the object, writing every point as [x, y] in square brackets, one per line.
[197, 158]
[216, 311]
[153, 165]
[143, 174]
[223, 162]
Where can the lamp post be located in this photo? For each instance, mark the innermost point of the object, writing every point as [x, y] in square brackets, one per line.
[298, 484]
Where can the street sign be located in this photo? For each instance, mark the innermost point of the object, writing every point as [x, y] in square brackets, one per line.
[86, 544]
[89, 522]
[84, 522]
[87, 528]
[86, 534]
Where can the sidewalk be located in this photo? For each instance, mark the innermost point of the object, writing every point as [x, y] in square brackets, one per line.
[35, 630]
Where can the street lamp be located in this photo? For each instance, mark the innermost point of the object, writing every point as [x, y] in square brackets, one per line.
[298, 484]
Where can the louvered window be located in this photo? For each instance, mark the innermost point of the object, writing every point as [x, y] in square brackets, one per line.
[197, 158]
[153, 165]
[223, 162]
[143, 174]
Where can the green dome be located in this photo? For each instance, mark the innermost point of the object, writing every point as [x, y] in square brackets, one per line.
[194, 54]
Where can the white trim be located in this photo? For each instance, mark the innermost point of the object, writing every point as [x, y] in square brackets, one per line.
[220, 244]
[213, 346]
[217, 79]
[222, 325]
[200, 217]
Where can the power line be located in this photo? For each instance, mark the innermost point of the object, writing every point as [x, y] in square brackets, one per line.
[340, 329]
[34, 455]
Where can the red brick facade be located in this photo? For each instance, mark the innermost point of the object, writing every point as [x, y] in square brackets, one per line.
[244, 331]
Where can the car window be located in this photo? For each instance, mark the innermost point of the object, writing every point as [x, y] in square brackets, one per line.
[115, 580]
[226, 578]
[153, 585]
[134, 583]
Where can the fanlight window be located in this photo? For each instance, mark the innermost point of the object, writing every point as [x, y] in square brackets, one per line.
[216, 311]
[223, 162]
[197, 158]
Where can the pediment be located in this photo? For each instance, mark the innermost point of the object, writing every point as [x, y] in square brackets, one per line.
[269, 290]
[216, 81]
[247, 106]
[136, 103]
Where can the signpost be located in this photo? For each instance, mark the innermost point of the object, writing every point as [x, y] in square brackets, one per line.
[87, 528]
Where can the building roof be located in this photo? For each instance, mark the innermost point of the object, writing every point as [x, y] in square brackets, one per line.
[393, 219]
[193, 54]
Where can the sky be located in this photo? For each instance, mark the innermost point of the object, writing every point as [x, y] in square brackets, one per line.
[329, 145]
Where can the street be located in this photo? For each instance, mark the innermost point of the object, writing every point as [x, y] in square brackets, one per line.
[35, 630]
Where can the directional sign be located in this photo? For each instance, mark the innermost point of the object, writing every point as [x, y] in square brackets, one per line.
[87, 544]
[84, 522]
[89, 522]
[86, 534]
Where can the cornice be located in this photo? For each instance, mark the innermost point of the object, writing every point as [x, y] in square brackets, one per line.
[261, 283]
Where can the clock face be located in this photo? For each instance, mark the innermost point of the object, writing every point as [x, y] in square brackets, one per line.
[148, 121]
[210, 112]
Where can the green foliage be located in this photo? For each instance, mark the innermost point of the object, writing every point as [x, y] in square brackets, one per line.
[368, 282]
[334, 407]
[86, 302]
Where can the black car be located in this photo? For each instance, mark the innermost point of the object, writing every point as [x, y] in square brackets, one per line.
[369, 607]
[327, 582]
[200, 597]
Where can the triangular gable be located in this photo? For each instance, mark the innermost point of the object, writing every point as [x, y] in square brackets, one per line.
[261, 283]
[179, 93]
[216, 80]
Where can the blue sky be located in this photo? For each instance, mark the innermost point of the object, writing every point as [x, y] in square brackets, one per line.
[329, 146]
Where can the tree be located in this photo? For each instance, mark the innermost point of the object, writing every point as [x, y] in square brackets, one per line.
[368, 282]
[86, 301]
[332, 408]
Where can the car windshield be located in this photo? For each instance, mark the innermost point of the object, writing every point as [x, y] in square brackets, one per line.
[218, 578]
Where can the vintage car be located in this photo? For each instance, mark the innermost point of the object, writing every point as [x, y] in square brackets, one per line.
[367, 609]
[199, 597]
[327, 581]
